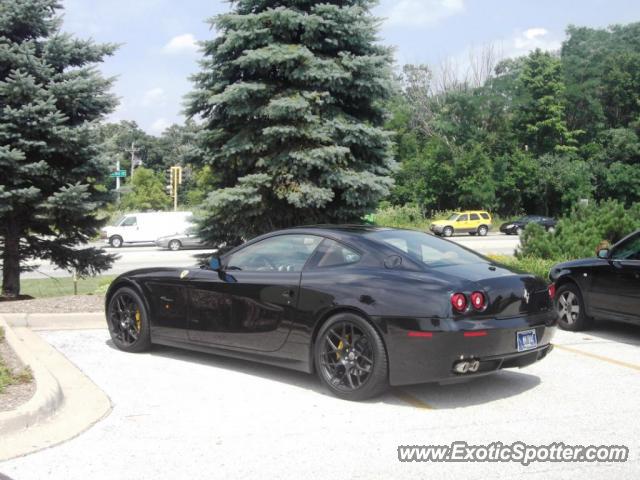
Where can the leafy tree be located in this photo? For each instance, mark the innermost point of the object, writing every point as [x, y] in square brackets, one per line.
[51, 95]
[291, 93]
[475, 184]
[147, 191]
[540, 118]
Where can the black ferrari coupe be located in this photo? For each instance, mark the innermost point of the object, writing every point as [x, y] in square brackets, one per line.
[363, 307]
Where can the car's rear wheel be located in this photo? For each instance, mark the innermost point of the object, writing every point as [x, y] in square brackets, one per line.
[128, 321]
[447, 232]
[175, 245]
[483, 230]
[115, 241]
[570, 309]
[350, 358]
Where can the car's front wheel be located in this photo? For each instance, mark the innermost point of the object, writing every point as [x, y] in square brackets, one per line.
[175, 245]
[570, 309]
[350, 358]
[447, 232]
[115, 241]
[128, 321]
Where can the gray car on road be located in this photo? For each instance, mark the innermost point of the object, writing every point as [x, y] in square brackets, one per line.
[188, 239]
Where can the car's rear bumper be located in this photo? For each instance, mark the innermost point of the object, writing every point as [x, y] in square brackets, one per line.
[430, 354]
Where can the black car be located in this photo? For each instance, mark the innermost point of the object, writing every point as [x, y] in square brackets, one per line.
[605, 287]
[516, 227]
[363, 307]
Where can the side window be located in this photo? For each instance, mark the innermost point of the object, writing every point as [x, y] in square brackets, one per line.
[129, 222]
[629, 250]
[485, 216]
[475, 216]
[334, 254]
[463, 218]
[284, 253]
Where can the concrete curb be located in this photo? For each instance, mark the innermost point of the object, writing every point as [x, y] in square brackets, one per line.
[66, 402]
[56, 321]
[45, 401]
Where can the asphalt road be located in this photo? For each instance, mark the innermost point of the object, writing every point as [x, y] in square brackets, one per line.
[132, 257]
[183, 415]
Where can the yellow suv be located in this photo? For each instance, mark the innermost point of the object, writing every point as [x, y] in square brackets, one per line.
[470, 221]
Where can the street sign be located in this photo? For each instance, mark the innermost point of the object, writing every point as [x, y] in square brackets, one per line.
[118, 174]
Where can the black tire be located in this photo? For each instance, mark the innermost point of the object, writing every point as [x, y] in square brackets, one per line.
[337, 360]
[483, 230]
[128, 321]
[116, 241]
[175, 245]
[569, 307]
[447, 232]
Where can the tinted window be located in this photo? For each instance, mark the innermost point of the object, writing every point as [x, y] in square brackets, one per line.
[426, 248]
[334, 254]
[463, 218]
[129, 222]
[475, 216]
[629, 250]
[485, 216]
[453, 216]
[284, 253]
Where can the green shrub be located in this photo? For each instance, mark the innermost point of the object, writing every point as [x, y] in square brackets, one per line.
[579, 235]
[537, 266]
[405, 216]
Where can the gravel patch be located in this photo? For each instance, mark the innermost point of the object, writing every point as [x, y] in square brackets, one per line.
[68, 304]
[14, 395]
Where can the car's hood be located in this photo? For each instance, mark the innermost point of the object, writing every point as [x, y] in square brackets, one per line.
[441, 222]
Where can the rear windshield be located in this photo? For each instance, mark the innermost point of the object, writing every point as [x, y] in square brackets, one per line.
[427, 249]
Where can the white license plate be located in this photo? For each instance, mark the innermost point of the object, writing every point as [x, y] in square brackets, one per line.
[526, 340]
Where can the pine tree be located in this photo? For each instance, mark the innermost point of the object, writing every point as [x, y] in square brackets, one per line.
[291, 93]
[50, 97]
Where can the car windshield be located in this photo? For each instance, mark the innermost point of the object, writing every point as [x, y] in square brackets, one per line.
[526, 218]
[427, 249]
[119, 221]
[453, 216]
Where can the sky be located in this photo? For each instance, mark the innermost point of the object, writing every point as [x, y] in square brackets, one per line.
[159, 38]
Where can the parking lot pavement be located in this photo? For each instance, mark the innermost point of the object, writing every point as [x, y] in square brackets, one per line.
[186, 415]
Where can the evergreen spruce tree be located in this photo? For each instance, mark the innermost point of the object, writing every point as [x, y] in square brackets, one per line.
[50, 97]
[291, 94]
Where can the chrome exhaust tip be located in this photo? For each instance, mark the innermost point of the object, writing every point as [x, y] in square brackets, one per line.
[461, 367]
[474, 366]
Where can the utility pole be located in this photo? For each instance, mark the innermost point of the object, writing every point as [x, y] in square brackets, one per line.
[133, 150]
[118, 179]
[175, 179]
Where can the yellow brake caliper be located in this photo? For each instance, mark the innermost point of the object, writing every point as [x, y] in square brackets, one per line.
[138, 319]
[340, 347]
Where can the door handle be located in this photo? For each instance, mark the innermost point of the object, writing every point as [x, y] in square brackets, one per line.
[167, 299]
[288, 293]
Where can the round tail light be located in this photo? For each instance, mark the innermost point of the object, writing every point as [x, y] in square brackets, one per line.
[478, 301]
[459, 302]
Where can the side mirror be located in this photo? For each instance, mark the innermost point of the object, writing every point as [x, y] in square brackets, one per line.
[215, 264]
[604, 253]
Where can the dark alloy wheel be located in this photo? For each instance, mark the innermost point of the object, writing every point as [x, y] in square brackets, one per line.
[350, 358]
[175, 245]
[115, 241]
[570, 309]
[128, 321]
